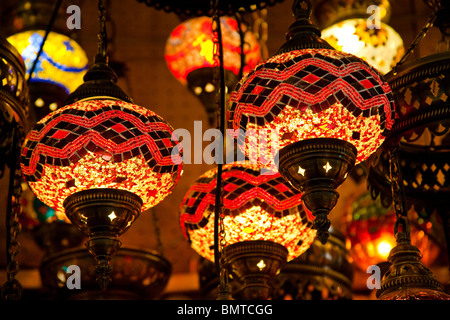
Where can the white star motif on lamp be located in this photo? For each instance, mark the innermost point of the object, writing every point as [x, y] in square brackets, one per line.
[301, 171]
[327, 167]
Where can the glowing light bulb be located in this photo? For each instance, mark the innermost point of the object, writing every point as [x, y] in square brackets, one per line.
[383, 248]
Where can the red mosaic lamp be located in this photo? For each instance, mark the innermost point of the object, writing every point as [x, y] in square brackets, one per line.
[330, 110]
[189, 53]
[264, 220]
[101, 160]
[370, 237]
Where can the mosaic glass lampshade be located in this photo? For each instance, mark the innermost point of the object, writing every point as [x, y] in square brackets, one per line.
[35, 212]
[100, 144]
[260, 211]
[361, 28]
[329, 110]
[189, 54]
[101, 159]
[58, 71]
[62, 61]
[380, 47]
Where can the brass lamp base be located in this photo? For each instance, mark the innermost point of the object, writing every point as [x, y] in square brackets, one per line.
[317, 167]
[255, 263]
[103, 215]
[407, 277]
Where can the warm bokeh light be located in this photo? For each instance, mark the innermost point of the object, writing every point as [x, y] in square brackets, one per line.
[382, 48]
[256, 207]
[384, 247]
[370, 233]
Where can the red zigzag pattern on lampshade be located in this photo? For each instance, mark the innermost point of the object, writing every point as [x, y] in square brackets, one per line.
[313, 80]
[245, 189]
[107, 135]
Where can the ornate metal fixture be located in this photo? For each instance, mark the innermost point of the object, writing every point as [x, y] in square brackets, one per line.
[204, 8]
[136, 274]
[101, 159]
[14, 97]
[14, 111]
[323, 272]
[323, 130]
[255, 263]
[421, 131]
[407, 278]
[324, 165]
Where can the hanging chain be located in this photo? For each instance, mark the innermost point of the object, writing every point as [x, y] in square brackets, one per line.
[415, 43]
[398, 194]
[102, 35]
[224, 289]
[12, 289]
[159, 244]
[261, 31]
[219, 83]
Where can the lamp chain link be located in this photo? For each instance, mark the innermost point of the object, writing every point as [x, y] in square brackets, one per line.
[102, 35]
[415, 43]
[12, 289]
[224, 289]
[160, 247]
[261, 31]
[217, 82]
[397, 194]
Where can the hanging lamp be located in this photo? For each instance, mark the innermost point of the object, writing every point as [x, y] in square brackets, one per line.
[189, 53]
[421, 131]
[329, 110]
[14, 111]
[370, 238]
[265, 223]
[136, 273]
[204, 8]
[407, 277]
[55, 62]
[101, 159]
[361, 28]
